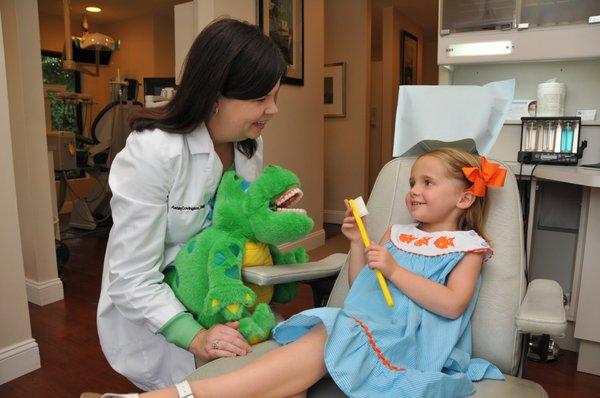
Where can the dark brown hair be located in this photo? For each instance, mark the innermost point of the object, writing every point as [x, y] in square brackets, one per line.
[229, 58]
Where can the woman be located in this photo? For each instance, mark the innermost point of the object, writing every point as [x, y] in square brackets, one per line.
[163, 183]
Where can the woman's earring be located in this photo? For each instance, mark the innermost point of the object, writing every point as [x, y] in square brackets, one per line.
[217, 110]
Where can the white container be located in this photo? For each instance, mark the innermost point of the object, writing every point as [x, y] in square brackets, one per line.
[551, 99]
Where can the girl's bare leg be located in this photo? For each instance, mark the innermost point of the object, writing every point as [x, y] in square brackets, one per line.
[285, 372]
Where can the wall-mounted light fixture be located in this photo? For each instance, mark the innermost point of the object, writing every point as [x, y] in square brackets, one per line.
[93, 9]
[480, 48]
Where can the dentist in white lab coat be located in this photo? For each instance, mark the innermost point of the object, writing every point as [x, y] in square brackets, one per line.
[163, 184]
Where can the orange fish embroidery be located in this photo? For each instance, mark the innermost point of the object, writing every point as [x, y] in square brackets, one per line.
[423, 241]
[443, 242]
[406, 238]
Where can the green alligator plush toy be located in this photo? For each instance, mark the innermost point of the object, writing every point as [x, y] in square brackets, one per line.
[249, 220]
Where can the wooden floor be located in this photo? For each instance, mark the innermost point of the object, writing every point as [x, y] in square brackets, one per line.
[72, 361]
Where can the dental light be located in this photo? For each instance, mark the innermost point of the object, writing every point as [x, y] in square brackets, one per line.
[97, 41]
[89, 41]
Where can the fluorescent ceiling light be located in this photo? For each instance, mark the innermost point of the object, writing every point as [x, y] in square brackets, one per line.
[93, 9]
[480, 48]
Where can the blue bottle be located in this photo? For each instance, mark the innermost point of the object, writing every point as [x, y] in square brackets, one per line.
[566, 139]
[563, 137]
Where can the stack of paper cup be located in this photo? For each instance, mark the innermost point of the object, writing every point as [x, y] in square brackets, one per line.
[551, 98]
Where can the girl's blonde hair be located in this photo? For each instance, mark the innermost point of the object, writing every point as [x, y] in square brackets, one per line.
[473, 218]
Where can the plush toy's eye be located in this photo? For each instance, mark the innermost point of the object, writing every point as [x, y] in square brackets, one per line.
[236, 177]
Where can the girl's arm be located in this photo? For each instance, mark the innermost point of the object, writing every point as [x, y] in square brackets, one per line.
[357, 249]
[448, 300]
[358, 259]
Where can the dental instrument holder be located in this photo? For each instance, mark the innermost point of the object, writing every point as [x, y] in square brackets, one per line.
[551, 140]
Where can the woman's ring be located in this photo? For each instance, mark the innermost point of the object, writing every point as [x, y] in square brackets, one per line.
[215, 345]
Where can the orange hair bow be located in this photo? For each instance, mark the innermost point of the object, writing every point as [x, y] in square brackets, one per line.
[488, 175]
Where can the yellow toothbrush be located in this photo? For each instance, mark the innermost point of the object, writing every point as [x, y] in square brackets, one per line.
[359, 209]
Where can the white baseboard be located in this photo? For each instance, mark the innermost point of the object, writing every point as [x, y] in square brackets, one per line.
[42, 293]
[18, 359]
[311, 241]
[333, 216]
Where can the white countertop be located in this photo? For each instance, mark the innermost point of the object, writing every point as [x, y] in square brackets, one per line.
[571, 174]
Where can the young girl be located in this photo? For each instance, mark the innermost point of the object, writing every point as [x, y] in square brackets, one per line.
[422, 345]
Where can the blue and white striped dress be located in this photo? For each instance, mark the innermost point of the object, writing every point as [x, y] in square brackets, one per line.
[404, 351]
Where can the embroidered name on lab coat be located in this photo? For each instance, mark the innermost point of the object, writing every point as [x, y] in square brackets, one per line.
[192, 208]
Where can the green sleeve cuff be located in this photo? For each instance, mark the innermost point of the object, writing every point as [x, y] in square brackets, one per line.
[181, 330]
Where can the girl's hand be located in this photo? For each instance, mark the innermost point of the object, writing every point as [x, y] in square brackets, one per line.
[349, 227]
[219, 341]
[378, 257]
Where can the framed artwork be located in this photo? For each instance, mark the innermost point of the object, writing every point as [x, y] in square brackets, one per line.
[409, 46]
[335, 90]
[283, 21]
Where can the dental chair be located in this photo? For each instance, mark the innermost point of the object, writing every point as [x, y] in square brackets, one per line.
[109, 132]
[507, 310]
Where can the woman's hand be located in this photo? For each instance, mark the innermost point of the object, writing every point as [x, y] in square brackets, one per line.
[349, 227]
[378, 257]
[219, 341]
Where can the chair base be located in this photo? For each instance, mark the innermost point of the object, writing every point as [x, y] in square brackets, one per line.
[321, 289]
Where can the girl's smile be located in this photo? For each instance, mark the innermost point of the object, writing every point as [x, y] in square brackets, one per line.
[433, 197]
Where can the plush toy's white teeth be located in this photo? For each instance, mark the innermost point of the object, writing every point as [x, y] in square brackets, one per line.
[289, 198]
[300, 211]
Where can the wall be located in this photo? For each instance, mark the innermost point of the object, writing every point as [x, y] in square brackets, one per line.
[387, 77]
[19, 353]
[430, 65]
[393, 23]
[375, 120]
[136, 58]
[581, 77]
[28, 129]
[164, 43]
[348, 39]
[293, 139]
[185, 33]
[207, 10]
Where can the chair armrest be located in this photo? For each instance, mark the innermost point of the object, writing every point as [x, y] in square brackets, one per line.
[273, 275]
[542, 310]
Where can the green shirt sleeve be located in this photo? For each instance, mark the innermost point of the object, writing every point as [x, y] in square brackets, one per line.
[181, 330]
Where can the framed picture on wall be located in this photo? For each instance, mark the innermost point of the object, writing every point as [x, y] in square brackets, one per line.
[409, 51]
[335, 90]
[283, 21]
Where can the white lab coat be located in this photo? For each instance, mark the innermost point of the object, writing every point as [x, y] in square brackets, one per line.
[161, 185]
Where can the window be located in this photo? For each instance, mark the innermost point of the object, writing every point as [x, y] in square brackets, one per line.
[65, 117]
